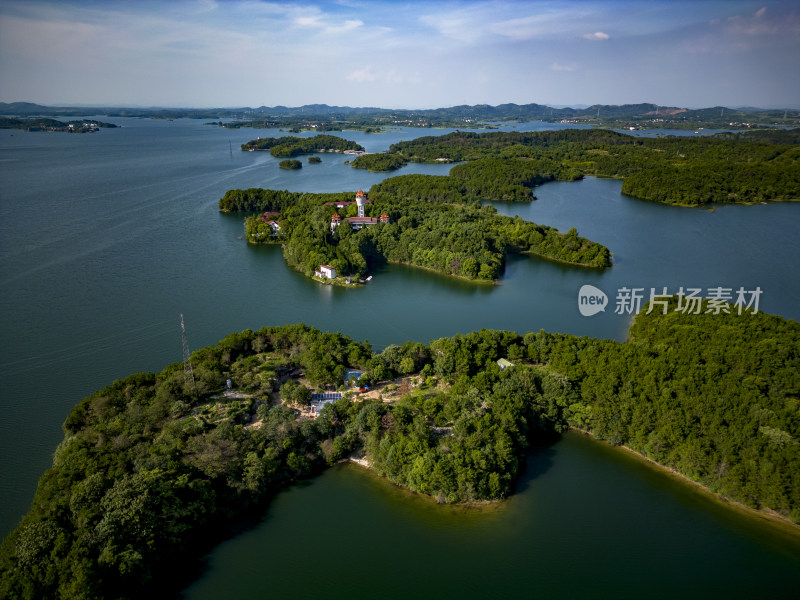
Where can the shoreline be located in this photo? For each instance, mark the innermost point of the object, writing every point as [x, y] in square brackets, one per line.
[565, 262]
[768, 515]
[364, 463]
[460, 277]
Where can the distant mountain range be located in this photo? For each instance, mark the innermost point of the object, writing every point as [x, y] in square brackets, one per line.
[480, 112]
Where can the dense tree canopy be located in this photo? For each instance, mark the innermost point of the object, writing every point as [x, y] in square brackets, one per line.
[445, 233]
[744, 168]
[290, 164]
[46, 124]
[378, 162]
[150, 466]
[288, 146]
[464, 240]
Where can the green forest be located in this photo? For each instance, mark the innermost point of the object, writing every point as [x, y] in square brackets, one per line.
[288, 146]
[729, 168]
[156, 467]
[46, 124]
[453, 236]
[378, 162]
[290, 165]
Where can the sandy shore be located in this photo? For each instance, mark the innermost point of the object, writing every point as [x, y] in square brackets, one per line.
[359, 461]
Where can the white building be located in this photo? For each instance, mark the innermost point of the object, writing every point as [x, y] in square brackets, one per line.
[360, 221]
[326, 272]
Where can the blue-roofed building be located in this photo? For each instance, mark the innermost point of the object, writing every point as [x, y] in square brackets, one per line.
[320, 400]
[352, 374]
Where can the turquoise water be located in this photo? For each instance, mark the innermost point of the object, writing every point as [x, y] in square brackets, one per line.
[106, 238]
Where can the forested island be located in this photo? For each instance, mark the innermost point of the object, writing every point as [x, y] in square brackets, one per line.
[379, 162]
[155, 468]
[729, 168]
[288, 146]
[441, 222]
[290, 165]
[450, 234]
[45, 124]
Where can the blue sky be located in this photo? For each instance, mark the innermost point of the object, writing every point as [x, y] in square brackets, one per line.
[400, 54]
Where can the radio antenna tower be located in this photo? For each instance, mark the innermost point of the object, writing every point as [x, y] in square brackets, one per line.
[188, 374]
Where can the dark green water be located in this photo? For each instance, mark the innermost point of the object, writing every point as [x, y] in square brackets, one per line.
[106, 238]
[588, 521]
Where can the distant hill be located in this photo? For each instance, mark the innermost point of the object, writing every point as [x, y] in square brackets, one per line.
[643, 114]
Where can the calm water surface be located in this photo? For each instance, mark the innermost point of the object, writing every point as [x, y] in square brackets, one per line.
[106, 238]
[588, 521]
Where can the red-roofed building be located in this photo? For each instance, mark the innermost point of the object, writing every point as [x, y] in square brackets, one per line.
[269, 215]
[359, 222]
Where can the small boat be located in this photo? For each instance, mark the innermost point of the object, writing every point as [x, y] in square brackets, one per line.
[369, 278]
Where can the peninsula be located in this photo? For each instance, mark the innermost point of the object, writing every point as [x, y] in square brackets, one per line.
[156, 467]
[351, 235]
[752, 167]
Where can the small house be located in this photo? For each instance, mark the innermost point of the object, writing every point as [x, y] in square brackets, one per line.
[504, 364]
[326, 272]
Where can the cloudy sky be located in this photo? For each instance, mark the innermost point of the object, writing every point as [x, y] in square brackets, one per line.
[214, 53]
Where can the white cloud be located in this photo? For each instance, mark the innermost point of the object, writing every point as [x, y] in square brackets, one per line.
[755, 25]
[234, 52]
[563, 66]
[524, 28]
[361, 75]
[308, 21]
[348, 25]
[390, 77]
[459, 28]
[313, 18]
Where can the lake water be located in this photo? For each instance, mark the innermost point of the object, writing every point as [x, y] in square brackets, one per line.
[588, 521]
[106, 238]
